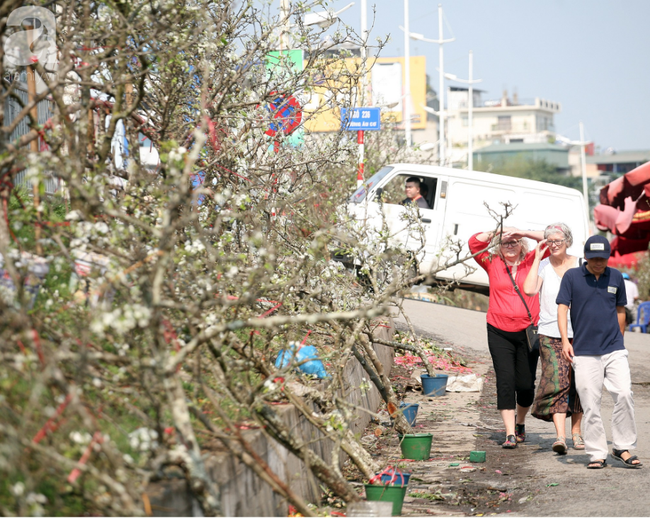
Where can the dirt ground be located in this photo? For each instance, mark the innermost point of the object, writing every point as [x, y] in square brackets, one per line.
[448, 484]
[531, 480]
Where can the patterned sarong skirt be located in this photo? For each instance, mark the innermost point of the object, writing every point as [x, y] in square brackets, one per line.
[556, 392]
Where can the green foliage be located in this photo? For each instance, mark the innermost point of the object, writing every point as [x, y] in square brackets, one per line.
[642, 276]
[165, 345]
[539, 170]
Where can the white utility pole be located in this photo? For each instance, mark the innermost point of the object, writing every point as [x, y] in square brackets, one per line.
[441, 92]
[364, 54]
[284, 34]
[583, 167]
[364, 87]
[407, 75]
[470, 120]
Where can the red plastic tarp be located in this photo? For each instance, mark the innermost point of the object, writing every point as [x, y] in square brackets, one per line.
[627, 261]
[624, 210]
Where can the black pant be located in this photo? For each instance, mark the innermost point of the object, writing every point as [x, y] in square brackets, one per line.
[514, 367]
[629, 316]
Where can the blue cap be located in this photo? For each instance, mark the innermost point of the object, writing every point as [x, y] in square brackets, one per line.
[626, 276]
[597, 247]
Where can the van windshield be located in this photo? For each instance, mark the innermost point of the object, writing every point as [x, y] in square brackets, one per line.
[367, 186]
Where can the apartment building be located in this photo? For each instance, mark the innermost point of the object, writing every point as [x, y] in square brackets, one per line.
[508, 120]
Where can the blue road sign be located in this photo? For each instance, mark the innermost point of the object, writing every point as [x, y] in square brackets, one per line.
[367, 119]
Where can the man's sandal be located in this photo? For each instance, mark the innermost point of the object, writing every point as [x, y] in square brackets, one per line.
[629, 462]
[559, 446]
[511, 442]
[578, 441]
[520, 432]
[597, 464]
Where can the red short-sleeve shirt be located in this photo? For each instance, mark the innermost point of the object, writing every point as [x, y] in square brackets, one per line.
[506, 310]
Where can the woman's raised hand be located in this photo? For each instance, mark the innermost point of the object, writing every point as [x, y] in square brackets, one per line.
[511, 233]
[541, 249]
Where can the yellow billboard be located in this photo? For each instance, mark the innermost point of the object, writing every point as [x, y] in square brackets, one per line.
[386, 79]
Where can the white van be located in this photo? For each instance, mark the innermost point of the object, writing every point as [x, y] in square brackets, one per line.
[458, 201]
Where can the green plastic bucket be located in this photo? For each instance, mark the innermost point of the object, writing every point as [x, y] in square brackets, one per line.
[394, 494]
[416, 446]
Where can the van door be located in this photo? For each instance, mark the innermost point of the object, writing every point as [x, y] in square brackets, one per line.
[402, 226]
[542, 208]
[466, 215]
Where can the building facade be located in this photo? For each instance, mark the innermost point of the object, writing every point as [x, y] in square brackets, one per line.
[503, 121]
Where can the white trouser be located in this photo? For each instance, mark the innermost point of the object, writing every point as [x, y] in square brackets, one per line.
[613, 371]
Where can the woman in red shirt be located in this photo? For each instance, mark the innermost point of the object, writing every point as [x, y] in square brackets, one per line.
[507, 320]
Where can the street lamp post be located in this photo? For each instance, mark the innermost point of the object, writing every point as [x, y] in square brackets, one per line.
[364, 86]
[364, 51]
[583, 167]
[285, 11]
[323, 19]
[583, 162]
[407, 74]
[441, 93]
[470, 121]
[442, 88]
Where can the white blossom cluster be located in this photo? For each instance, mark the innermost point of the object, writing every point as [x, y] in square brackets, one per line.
[143, 439]
[177, 154]
[194, 247]
[87, 232]
[122, 319]
[80, 437]
[34, 501]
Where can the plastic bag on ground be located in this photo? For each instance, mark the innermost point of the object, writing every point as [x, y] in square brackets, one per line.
[298, 355]
[466, 383]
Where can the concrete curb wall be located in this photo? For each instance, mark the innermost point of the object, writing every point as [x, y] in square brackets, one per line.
[242, 492]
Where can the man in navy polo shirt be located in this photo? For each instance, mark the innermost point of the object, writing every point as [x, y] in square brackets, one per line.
[596, 295]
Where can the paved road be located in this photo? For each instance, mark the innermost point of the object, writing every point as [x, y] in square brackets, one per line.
[614, 491]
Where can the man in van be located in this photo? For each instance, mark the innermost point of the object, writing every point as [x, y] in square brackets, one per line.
[413, 190]
[596, 295]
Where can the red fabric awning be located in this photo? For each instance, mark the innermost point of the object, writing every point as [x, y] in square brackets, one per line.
[627, 261]
[624, 210]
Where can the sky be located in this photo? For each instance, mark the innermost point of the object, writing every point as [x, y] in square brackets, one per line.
[591, 56]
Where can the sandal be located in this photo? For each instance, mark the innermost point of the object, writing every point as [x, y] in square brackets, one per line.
[629, 462]
[559, 446]
[597, 464]
[520, 432]
[578, 441]
[511, 442]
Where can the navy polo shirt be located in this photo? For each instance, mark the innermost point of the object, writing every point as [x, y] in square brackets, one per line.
[593, 309]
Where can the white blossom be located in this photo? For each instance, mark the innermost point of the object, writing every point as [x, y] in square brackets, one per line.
[143, 439]
[18, 489]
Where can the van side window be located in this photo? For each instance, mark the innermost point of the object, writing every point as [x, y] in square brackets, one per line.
[429, 189]
[393, 192]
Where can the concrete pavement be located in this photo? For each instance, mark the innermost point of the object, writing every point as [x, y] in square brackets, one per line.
[543, 483]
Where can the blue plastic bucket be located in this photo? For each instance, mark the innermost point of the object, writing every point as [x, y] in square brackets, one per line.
[434, 385]
[410, 411]
[398, 479]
